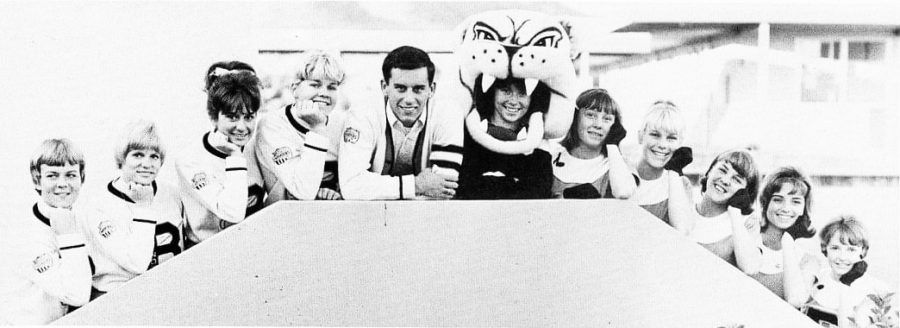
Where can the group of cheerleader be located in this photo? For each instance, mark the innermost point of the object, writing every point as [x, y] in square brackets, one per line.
[60, 255]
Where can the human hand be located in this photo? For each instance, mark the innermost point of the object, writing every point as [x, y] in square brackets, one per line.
[140, 193]
[435, 186]
[220, 142]
[858, 269]
[615, 135]
[328, 194]
[309, 112]
[741, 200]
[681, 157]
[582, 191]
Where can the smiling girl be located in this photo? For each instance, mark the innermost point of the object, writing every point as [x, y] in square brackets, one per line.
[841, 286]
[136, 224]
[488, 175]
[297, 146]
[728, 190]
[662, 190]
[219, 186]
[587, 163]
[784, 269]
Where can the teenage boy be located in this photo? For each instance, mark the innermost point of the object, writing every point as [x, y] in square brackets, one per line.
[402, 150]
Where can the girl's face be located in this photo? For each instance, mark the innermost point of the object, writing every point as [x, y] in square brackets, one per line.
[841, 257]
[658, 145]
[141, 166]
[510, 105]
[785, 206]
[593, 127]
[59, 185]
[237, 127]
[322, 92]
[722, 182]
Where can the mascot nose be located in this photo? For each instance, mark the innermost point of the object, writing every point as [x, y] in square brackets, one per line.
[511, 50]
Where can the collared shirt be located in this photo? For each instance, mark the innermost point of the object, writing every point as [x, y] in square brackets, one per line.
[404, 139]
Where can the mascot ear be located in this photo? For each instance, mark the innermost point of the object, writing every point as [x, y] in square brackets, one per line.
[574, 51]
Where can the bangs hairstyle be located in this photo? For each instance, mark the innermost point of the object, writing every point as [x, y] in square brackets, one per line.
[232, 94]
[407, 58]
[538, 101]
[790, 176]
[219, 69]
[55, 152]
[743, 163]
[592, 99]
[850, 230]
[321, 65]
[664, 116]
[138, 135]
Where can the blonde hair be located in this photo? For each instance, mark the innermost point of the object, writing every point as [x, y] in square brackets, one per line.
[138, 135]
[320, 65]
[55, 152]
[664, 116]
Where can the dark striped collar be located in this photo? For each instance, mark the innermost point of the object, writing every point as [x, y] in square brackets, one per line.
[212, 150]
[40, 216]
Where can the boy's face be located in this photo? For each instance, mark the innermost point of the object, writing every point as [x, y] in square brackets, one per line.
[658, 145]
[59, 185]
[722, 182]
[407, 92]
[842, 257]
[238, 127]
[322, 91]
[141, 166]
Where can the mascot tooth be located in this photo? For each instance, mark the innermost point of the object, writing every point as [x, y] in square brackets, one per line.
[513, 44]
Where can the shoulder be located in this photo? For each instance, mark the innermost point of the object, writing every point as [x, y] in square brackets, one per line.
[552, 147]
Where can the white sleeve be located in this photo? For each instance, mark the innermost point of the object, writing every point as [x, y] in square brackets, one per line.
[226, 199]
[65, 275]
[128, 245]
[296, 157]
[354, 161]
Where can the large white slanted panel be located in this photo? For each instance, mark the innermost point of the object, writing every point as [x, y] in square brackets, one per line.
[452, 263]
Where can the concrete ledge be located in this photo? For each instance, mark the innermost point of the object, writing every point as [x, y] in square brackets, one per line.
[454, 263]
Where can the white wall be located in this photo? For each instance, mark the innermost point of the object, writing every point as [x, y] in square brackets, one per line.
[82, 70]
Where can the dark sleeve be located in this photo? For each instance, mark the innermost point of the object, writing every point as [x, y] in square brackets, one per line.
[535, 176]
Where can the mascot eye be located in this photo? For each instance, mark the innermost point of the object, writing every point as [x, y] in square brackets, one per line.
[484, 35]
[544, 42]
[483, 31]
[547, 38]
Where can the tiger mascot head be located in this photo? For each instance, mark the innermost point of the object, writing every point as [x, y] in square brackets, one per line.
[517, 44]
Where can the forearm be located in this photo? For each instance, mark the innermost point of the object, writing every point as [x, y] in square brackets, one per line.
[795, 290]
[679, 206]
[620, 179]
[745, 252]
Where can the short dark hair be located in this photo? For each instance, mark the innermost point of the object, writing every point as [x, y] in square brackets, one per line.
[802, 228]
[234, 65]
[407, 58]
[232, 93]
[539, 100]
[592, 99]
